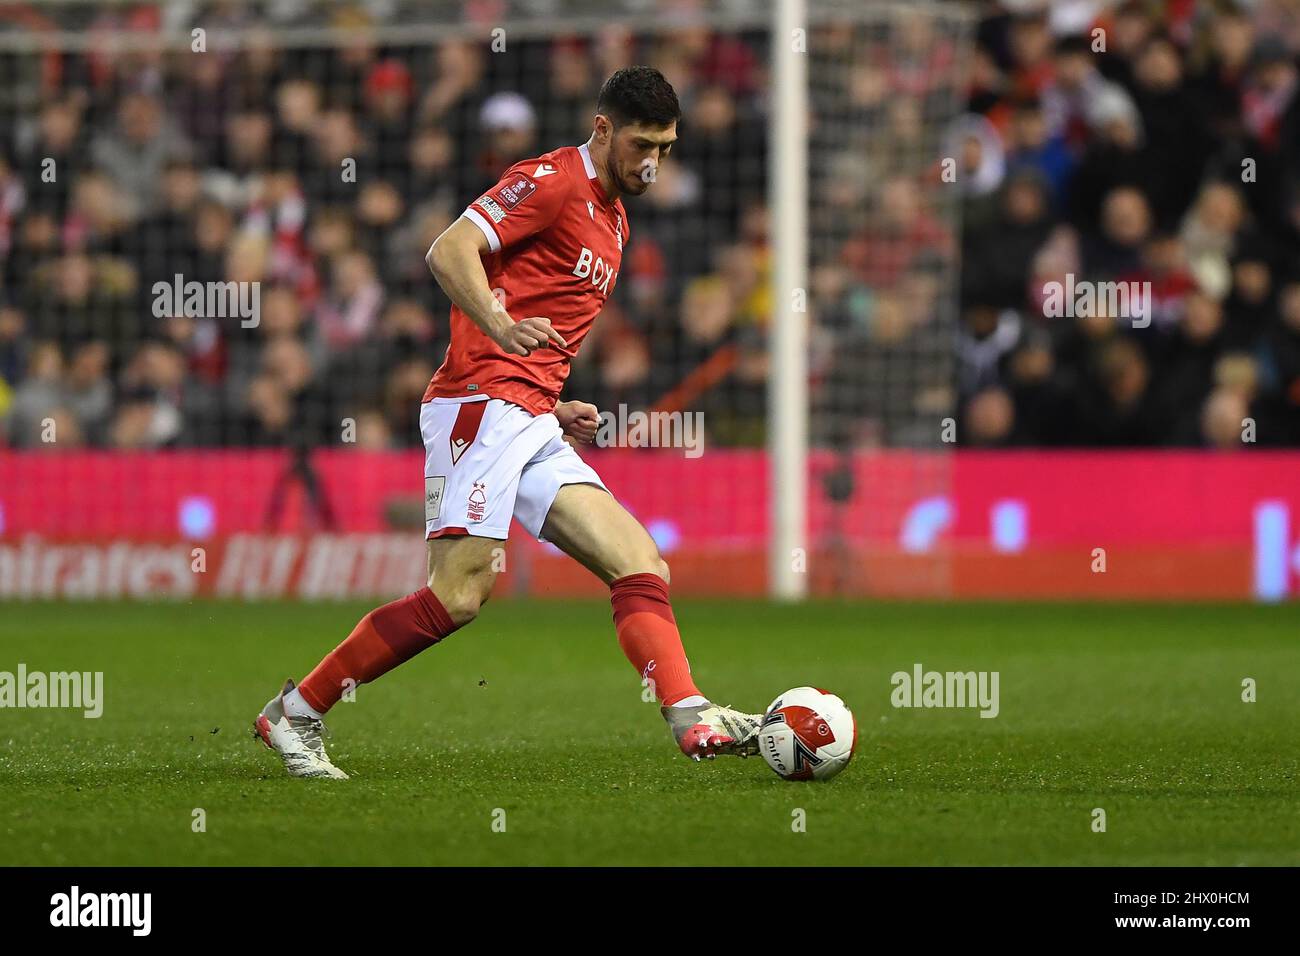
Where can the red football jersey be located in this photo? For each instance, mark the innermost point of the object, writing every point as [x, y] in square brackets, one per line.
[556, 246]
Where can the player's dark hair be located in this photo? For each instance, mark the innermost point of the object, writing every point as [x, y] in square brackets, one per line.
[639, 94]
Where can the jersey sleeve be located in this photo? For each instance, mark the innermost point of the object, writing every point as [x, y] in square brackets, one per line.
[528, 198]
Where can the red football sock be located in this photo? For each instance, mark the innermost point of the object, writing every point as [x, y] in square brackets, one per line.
[387, 636]
[648, 634]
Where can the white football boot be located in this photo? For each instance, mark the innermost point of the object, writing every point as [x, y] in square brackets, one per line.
[296, 739]
[708, 729]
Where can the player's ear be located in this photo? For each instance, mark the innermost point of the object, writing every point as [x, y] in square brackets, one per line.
[604, 129]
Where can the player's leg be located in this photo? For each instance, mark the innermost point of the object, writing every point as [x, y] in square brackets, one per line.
[587, 523]
[460, 575]
[460, 578]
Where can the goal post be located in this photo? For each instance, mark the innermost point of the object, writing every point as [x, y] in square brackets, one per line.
[788, 389]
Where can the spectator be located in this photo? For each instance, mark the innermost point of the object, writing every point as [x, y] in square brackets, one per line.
[56, 142]
[508, 130]
[1175, 143]
[38, 396]
[1113, 157]
[1031, 143]
[1001, 252]
[901, 228]
[350, 309]
[137, 150]
[14, 347]
[1071, 98]
[88, 393]
[981, 167]
[388, 114]
[1115, 250]
[1114, 406]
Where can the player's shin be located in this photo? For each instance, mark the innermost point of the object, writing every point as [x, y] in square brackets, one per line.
[383, 639]
[647, 632]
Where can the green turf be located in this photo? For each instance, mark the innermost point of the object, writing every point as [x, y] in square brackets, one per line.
[533, 710]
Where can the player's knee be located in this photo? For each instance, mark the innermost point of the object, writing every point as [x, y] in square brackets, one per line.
[651, 560]
[650, 563]
[462, 597]
[462, 603]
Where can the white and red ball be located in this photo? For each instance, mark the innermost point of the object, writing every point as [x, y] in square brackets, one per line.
[807, 734]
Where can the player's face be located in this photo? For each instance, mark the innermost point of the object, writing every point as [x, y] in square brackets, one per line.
[635, 154]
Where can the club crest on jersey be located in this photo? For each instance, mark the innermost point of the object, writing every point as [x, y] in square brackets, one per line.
[618, 232]
[477, 501]
[516, 192]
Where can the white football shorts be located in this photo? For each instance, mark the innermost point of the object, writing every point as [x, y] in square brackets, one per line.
[487, 460]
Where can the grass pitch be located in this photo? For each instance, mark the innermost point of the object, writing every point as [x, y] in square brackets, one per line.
[533, 711]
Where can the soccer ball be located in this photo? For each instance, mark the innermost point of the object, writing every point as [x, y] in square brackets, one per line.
[807, 734]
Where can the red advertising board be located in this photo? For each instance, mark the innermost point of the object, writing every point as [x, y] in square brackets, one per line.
[1048, 524]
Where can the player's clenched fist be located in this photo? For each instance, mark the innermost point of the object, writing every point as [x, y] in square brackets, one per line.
[578, 420]
[534, 332]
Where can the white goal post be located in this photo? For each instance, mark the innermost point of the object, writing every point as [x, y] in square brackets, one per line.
[788, 386]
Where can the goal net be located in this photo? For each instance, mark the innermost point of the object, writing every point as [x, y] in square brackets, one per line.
[885, 85]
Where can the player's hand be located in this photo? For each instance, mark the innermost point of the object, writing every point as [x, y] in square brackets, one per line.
[524, 336]
[578, 420]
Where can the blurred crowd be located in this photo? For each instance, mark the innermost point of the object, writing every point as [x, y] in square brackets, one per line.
[324, 173]
[1172, 158]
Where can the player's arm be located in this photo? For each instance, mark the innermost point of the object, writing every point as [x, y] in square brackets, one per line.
[456, 261]
[521, 205]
